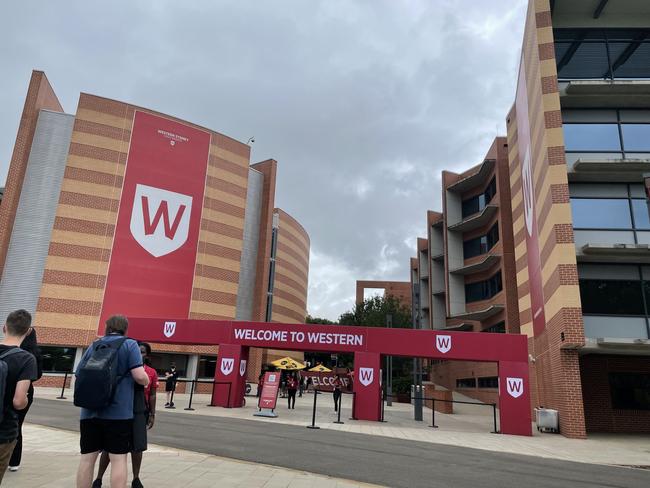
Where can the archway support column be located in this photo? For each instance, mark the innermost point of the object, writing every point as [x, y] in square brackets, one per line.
[367, 386]
[230, 376]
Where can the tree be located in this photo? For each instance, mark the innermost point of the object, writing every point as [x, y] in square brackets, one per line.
[372, 312]
[318, 320]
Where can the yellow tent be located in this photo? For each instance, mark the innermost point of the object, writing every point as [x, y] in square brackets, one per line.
[321, 369]
[288, 364]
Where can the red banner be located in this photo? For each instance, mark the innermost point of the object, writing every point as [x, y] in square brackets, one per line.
[270, 387]
[152, 262]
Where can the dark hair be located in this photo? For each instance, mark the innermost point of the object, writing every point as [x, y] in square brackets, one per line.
[117, 324]
[18, 322]
[146, 346]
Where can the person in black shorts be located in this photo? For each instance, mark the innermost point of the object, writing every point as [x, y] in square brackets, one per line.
[171, 375]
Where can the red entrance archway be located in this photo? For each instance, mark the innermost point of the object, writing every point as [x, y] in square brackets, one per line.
[368, 345]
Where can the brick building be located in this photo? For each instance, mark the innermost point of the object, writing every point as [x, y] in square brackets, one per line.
[398, 289]
[557, 248]
[70, 252]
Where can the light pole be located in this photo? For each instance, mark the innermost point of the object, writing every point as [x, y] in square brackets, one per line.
[417, 377]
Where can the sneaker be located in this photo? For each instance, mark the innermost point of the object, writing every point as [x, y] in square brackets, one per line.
[97, 483]
[167, 404]
[136, 483]
[13, 468]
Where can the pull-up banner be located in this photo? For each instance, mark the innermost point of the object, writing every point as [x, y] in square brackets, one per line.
[155, 242]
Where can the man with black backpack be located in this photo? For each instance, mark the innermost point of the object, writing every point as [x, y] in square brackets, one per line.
[17, 370]
[104, 389]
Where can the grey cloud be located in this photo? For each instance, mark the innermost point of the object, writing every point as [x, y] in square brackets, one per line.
[362, 103]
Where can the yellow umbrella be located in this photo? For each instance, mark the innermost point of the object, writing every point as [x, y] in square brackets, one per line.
[321, 369]
[288, 364]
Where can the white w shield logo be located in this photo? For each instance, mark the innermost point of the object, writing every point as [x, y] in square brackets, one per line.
[366, 375]
[515, 387]
[160, 219]
[227, 365]
[443, 343]
[169, 328]
[242, 367]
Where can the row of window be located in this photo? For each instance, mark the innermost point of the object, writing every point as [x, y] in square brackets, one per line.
[608, 137]
[498, 328]
[478, 202]
[484, 382]
[482, 244]
[610, 213]
[482, 290]
[61, 359]
[630, 391]
[602, 53]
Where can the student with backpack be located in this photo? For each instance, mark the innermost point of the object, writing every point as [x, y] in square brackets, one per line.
[104, 390]
[17, 371]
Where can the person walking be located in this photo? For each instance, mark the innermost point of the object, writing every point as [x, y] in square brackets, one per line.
[301, 386]
[144, 414]
[29, 344]
[171, 376]
[336, 384]
[104, 389]
[292, 387]
[21, 370]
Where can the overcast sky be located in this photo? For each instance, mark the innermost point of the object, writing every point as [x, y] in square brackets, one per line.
[362, 103]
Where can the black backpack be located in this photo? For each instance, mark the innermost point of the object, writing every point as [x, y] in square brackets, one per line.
[4, 371]
[97, 376]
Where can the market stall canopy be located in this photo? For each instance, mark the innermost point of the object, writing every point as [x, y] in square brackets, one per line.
[320, 369]
[288, 364]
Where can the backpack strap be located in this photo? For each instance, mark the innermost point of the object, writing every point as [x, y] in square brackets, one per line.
[10, 352]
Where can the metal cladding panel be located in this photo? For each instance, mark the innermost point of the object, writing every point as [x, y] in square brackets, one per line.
[248, 268]
[30, 239]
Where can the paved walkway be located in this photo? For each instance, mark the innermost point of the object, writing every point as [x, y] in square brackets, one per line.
[51, 458]
[469, 427]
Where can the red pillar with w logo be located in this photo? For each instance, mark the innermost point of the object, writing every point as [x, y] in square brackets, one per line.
[230, 376]
[514, 398]
[367, 386]
[155, 241]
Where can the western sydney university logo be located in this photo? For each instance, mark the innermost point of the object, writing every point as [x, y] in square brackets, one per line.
[515, 387]
[443, 343]
[366, 375]
[242, 367]
[160, 219]
[169, 328]
[227, 365]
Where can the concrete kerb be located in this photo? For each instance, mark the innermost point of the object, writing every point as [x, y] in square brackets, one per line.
[463, 430]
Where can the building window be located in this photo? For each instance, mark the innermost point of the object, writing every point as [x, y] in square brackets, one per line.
[161, 362]
[58, 359]
[482, 244]
[465, 382]
[608, 134]
[611, 297]
[630, 391]
[499, 328]
[602, 53]
[601, 213]
[482, 290]
[477, 203]
[488, 382]
[207, 366]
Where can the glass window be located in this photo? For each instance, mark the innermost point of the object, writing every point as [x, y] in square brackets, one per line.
[630, 391]
[577, 60]
[207, 366]
[611, 297]
[58, 359]
[634, 66]
[482, 244]
[640, 210]
[636, 137]
[488, 382]
[600, 213]
[465, 382]
[591, 137]
[161, 362]
[482, 290]
[477, 203]
[499, 328]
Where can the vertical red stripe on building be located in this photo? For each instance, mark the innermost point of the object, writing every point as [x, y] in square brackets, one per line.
[152, 261]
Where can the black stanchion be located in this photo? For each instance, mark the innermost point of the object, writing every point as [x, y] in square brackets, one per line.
[384, 396]
[433, 413]
[211, 404]
[494, 415]
[65, 381]
[338, 421]
[189, 407]
[313, 414]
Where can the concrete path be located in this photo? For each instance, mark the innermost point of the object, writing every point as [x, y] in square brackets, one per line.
[51, 457]
[361, 457]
